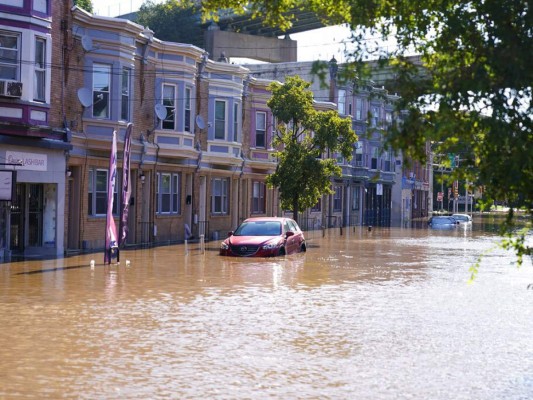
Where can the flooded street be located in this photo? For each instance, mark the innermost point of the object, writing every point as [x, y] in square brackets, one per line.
[386, 314]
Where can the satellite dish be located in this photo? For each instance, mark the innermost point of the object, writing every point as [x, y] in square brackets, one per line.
[200, 122]
[85, 97]
[86, 43]
[160, 111]
[358, 145]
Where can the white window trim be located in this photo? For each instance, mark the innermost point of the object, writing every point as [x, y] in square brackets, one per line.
[171, 109]
[225, 120]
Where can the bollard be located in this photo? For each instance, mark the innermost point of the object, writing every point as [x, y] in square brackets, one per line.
[369, 228]
[202, 244]
[186, 247]
[341, 230]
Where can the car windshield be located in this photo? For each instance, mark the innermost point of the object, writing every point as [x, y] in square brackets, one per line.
[442, 221]
[259, 228]
[460, 217]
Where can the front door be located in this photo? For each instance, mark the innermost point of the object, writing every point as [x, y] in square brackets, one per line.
[27, 217]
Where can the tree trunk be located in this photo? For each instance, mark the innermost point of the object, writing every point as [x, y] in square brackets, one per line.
[295, 209]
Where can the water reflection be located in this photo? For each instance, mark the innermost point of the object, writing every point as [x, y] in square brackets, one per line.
[384, 314]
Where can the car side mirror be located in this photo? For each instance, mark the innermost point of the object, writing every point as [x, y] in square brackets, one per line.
[230, 233]
[289, 233]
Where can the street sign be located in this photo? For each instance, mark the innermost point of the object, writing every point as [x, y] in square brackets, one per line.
[440, 196]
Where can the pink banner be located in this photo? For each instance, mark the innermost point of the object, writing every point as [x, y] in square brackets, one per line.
[111, 243]
[126, 187]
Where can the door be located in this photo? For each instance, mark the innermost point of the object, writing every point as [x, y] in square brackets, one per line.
[27, 217]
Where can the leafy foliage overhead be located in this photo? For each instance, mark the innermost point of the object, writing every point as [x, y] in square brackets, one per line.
[87, 5]
[173, 20]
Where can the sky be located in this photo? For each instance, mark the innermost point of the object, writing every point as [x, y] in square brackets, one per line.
[320, 44]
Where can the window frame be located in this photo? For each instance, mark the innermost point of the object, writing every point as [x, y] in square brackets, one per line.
[169, 123]
[125, 94]
[12, 65]
[341, 101]
[337, 199]
[39, 83]
[220, 207]
[356, 198]
[106, 94]
[358, 114]
[187, 125]
[258, 197]
[260, 131]
[97, 198]
[168, 202]
[220, 123]
[236, 122]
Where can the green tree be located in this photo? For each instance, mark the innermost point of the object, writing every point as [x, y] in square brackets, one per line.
[305, 138]
[87, 5]
[474, 98]
[173, 20]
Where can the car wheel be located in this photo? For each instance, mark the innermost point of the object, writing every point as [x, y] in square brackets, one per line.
[303, 248]
[282, 251]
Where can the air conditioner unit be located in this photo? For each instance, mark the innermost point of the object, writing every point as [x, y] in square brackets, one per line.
[10, 88]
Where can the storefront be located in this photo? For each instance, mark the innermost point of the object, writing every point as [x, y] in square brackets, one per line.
[33, 222]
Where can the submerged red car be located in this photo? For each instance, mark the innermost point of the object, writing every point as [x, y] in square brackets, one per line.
[264, 237]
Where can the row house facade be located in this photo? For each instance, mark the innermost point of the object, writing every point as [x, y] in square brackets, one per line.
[375, 187]
[31, 145]
[200, 145]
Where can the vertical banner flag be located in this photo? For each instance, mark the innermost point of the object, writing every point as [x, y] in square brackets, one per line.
[111, 228]
[126, 187]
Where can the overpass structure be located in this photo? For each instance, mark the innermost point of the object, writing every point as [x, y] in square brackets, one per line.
[241, 36]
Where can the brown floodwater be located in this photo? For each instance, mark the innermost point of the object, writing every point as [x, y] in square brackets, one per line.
[385, 314]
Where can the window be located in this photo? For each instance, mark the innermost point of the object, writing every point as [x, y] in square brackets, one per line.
[375, 116]
[337, 199]
[359, 156]
[235, 122]
[187, 126]
[168, 193]
[358, 109]
[374, 160]
[260, 129]
[219, 196]
[125, 95]
[220, 119]
[355, 198]
[39, 84]
[388, 118]
[169, 101]
[342, 101]
[101, 89]
[9, 55]
[317, 207]
[97, 192]
[387, 161]
[258, 197]
[40, 6]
